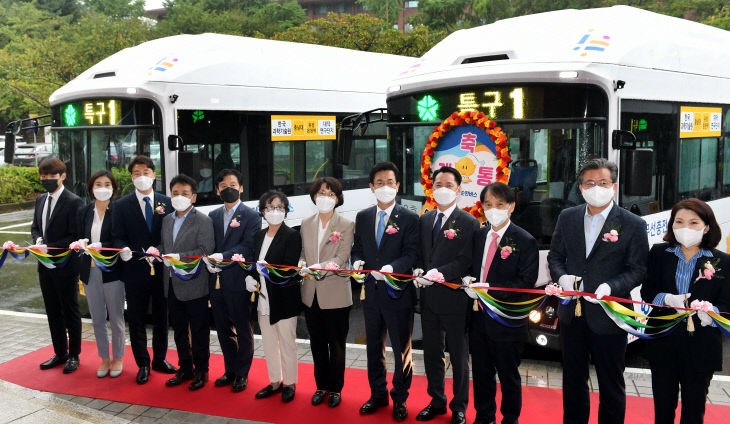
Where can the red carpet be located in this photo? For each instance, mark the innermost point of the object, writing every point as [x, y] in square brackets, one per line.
[539, 405]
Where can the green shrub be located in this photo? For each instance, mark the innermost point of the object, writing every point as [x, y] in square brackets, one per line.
[124, 180]
[14, 189]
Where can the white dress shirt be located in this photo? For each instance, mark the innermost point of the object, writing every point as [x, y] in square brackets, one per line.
[96, 227]
[447, 213]
[388, 211]
[592, 225]
[500, 234]
[263, 307]
[228, 216]
[55, 196]
[140, 199]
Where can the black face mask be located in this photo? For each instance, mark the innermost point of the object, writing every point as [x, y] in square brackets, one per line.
[230, 195]
[50, 185]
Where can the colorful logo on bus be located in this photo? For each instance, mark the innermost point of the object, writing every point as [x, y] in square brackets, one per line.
[591, 42]
[162, 65]
[413, 68]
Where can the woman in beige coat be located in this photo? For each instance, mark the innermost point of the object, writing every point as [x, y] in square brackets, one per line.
[326, 241]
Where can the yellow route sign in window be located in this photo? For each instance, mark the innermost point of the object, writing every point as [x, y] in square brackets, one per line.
[700, 122]
[302, 127]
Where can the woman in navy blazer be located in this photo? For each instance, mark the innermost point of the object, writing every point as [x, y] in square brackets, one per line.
[685, 269]
[104, 290]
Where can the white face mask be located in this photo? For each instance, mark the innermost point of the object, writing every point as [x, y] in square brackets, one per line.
[496, 217]
[103, 193]
[143, 182]
[325, 204]
[688, 237]
[206, 172]
[274, 217]
[385, 194]
[444, 196]
[181, 203]
[598, 196]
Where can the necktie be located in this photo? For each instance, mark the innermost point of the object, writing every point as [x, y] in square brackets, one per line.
[490, 255]
[436, 229]
[381, 228]
[49, 205]
[148, 212]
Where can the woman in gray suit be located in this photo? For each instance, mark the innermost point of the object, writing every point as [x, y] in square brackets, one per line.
[326, 242]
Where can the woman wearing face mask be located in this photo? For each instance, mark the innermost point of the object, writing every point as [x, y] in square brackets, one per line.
[279, 299]
[104, 290]
[327, 239]
[685, 269]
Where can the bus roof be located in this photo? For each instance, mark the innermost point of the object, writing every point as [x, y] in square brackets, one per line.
[226, 60]
[618, 35]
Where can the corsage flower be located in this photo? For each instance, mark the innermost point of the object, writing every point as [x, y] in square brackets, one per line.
[708, 271]
[234, 222]
[391, 228]
[506, 250]
[611, 236]
[701, 305]
[160, 208]
[335, 236]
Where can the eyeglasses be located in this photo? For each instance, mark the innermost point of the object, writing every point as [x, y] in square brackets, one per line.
[602, 183]
[274, 209]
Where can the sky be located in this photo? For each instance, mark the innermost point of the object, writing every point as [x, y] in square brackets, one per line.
[153, 4]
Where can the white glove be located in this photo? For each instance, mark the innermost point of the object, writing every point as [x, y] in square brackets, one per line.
[166, 261]
[93, 245]
[84, 242]
[417, 272]
[303, 270]
[259, 269]
[217, 257]
[424, 282]
[470, 292]
[603, 290]
[38, 241]
[676, 300]
[250, 283]
[567, 282]
[315, 266]
[212, 268]
[126, 254]
[378, 275]
[705, 318]
[358, 265]
[467, 280]
[42, 247]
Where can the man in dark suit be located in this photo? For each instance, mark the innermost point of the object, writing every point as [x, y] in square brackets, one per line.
[234, 226]
[187, 232]
[386, 239]
[446, 248]
[598, 248]
[137, 221]
[54, 225]
[505, 255]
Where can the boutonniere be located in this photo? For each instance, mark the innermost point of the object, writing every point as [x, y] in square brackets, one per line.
[392, 228]
[335, 236]
[234, 222]
[506, 250]
[612, 236]
[708, 270]
[451, 232]
[160, 208]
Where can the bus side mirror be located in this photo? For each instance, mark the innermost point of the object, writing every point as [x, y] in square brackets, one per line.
[174, 142]
[9, 146]
[344, 146]
[621, 139]
[637, 172]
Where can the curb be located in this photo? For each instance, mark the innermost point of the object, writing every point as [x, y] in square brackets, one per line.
[14, 207]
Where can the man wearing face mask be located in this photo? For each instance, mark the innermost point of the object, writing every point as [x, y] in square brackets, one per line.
[446, 248]
[55, 225]
[505, 255]
[598, 248]
[234, 226]
[137, 219]
[186, 233]
[206, 177]
[386, 239]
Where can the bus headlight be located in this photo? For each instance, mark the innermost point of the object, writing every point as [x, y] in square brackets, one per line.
[535, 316]
[549, 312]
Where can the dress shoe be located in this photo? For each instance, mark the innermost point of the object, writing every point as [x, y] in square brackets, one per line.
[268, 391]
[143, 375]
[400, 412]
[287, 394]
[72, 364]
[163, 367]
[334, 400]
[116, 368]
[199, 380]
[318, 397]
[225, 379]
[429, 412]
[458, 418]
[54, 362]
[372, 405]
[179, 378]
[239, 384]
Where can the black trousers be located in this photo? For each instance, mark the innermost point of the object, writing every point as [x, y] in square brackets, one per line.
[139, 295]
[327, 335]
[491, 357]
[231, 312]
[398, 323]
[61, 298]
[439, 329]
[189, 319]
[579, 344]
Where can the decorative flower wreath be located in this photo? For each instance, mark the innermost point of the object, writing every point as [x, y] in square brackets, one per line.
[465, 118]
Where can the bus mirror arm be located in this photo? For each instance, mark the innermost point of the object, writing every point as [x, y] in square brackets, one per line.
[174, 142]
[9, 146]
[623, 140]
[348, 126]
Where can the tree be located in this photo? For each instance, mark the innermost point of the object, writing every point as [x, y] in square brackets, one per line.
[387, 10]
[60, 7]
[117, 8]
[445, 15]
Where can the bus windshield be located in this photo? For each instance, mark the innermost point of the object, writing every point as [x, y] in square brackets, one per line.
[546, 146]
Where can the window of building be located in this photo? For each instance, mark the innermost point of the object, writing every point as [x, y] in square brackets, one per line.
[411, 4]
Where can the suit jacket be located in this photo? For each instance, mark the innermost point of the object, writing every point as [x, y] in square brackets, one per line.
[62, 229]
[285, 300]
[706, 345]
[621, 265]
[333, 291]
[194, 238]
[236, 240]
[85, 221]
[130, 230]
[400, 250]
[451, 257]
[519, 270]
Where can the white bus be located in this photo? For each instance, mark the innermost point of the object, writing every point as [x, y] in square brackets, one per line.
[197, 104]
[565, 86]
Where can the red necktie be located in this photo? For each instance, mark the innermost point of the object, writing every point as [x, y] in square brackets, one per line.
[490, 255]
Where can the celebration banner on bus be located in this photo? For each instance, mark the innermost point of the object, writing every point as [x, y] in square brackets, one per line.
[302, 127]
[700, 122]
[473, 144]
